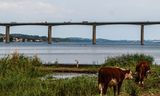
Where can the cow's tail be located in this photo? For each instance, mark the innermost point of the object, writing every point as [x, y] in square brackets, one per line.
[100, 82]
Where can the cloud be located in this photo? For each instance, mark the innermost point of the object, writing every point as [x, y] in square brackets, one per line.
[113, 10]
[16, 4]
[79, 10]
[27, 8]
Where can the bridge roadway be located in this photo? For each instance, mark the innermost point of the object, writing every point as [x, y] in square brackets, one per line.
[79, 23]
[93, 24]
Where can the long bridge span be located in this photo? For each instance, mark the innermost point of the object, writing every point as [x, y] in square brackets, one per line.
[93, 24]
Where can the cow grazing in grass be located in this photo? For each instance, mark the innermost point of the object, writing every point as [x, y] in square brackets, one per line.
[110, 76]
[142, 69]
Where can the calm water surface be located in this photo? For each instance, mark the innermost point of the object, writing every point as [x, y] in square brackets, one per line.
[84, 53]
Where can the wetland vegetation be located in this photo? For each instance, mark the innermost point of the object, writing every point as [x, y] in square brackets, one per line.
[22, 76]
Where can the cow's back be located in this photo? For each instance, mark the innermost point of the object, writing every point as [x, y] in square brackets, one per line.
[143, 64]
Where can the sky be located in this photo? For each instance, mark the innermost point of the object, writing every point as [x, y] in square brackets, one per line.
[83, 10]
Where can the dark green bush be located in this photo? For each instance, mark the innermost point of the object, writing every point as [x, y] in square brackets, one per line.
[128, 60]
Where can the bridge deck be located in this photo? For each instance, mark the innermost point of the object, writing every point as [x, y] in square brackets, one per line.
[79, 23]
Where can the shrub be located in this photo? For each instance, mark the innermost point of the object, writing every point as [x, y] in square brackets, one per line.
[128, 60]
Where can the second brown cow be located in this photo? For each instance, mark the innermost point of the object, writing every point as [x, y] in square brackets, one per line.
[142, 69]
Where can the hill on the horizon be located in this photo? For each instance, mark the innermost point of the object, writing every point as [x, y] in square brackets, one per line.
[73, 39]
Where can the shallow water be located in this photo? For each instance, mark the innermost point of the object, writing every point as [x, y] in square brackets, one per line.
[65, 75]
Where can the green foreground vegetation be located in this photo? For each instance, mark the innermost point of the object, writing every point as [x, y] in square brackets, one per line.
[20, 76]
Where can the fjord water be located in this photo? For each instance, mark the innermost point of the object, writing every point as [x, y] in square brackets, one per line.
[85, 53]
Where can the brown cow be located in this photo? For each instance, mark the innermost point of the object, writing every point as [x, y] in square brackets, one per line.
[142, 69]
[109, 76]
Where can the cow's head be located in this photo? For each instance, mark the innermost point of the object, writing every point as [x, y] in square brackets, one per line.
[147, 72]
[128, 74]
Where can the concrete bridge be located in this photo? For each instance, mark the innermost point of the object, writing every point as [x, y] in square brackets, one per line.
[93, 24]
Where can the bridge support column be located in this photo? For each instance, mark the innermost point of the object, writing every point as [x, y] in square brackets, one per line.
[94, 35]
[142, 34]
[7, 37]
[49, 34]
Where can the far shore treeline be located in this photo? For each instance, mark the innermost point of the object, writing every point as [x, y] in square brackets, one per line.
[20, 76]
[37, 38]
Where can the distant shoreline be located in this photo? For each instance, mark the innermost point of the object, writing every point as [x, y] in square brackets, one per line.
[37, 38]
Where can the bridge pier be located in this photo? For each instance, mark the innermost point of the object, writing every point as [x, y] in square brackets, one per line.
[94, 34]
[49, 34]
[7, 37]
[142, 34]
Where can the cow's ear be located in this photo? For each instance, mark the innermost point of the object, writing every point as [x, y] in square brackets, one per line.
[128, 70]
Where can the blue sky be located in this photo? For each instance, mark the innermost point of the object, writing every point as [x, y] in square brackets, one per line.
[83, 10]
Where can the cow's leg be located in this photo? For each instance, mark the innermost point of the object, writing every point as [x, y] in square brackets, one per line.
[101, 88]
[140, 78]
[137, 78]
[142, 82]
[119, 87]
[114, 88]
[105, 88]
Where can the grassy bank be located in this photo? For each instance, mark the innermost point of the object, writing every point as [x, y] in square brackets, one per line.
[21, 76]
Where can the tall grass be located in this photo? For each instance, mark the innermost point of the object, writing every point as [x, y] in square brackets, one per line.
[19, 64]
[78, 86]
[17, 75]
